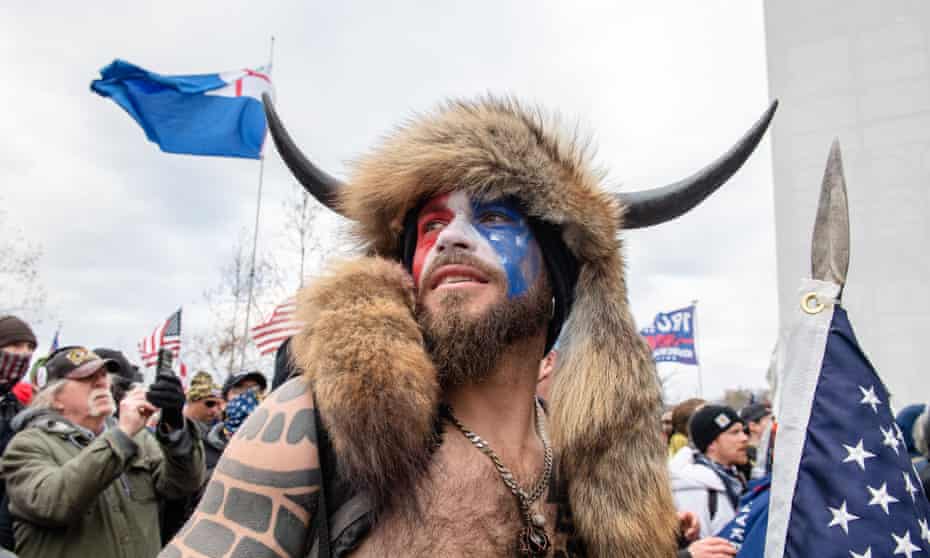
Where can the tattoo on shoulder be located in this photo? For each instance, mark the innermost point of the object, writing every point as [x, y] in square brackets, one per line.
[264, 489]
[268, 477]
[292, 389]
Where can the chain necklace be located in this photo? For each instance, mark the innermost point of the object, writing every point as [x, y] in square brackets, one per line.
[533, 539]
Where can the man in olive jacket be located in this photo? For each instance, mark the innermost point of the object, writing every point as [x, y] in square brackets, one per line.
[82, 484]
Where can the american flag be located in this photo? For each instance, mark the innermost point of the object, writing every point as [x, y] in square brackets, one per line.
[843, 484]
[55, 343]
[167, 335]
[269, 335]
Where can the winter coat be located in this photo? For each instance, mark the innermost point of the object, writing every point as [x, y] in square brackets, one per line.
[692, 485]
[214, 443]
[74, 496]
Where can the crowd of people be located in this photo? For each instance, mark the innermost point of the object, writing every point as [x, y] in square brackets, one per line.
[95, 464]
[719, 459]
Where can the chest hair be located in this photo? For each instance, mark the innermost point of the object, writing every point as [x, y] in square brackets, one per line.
[466, 510]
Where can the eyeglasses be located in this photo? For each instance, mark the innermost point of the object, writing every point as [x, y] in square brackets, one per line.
[210, 404]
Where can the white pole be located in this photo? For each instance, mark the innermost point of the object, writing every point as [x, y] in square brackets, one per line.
[694, 330]
[258, 211]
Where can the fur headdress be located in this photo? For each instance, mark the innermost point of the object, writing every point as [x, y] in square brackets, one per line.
[375, 385]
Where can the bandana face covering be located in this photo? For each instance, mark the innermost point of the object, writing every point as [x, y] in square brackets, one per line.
[12, 369]
[238, 409]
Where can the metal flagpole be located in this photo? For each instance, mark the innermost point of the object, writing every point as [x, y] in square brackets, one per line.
[258, 212]
[694, 304]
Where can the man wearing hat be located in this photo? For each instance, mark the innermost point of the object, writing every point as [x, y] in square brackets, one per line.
[758, 419]
[415, 429]
[204, 401]
[712, 485]
[243, 392]
[81, 483]
[17, 343]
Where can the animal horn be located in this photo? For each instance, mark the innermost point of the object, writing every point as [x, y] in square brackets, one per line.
[324, 187]
[652, 207]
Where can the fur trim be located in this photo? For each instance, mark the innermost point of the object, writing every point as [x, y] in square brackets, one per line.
[606, 403]
[375, 386]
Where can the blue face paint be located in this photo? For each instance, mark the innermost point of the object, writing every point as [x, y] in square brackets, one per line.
[505, 227]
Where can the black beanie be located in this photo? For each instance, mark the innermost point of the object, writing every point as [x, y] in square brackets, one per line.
[709, 422]
[14, 330]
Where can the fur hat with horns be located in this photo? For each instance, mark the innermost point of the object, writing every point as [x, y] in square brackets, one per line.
[605, 398]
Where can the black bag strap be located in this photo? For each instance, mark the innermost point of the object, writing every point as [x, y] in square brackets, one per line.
[319, 525]
[712, 503]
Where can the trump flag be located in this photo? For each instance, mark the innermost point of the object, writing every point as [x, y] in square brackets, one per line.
[671, 336]
[208, 114]
[842, 484]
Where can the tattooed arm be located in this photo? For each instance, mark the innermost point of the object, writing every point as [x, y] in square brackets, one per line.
[264, 490]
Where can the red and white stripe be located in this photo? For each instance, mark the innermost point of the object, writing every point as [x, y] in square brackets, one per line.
[269, 335]
[150, 344]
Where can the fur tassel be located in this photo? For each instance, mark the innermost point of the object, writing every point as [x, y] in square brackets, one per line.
[605, 422]
[375, 385]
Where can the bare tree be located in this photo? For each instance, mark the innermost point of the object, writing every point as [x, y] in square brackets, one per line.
[220, 347]
[307, 233]
[304, 242]
[21, 291]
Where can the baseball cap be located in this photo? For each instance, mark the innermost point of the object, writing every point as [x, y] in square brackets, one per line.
[754, 412]
[75, 363]
[126, 368]
[237, 379]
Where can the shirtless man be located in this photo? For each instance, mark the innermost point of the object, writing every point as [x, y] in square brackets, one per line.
[488, 235]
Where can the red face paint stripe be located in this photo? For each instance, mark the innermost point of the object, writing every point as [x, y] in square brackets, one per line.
[435, 209]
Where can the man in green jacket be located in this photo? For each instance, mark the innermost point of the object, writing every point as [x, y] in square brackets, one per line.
[82, 484]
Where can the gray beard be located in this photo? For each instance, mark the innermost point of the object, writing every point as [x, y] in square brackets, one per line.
[466, 349]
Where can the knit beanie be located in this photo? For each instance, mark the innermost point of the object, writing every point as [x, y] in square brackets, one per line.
[14, 330]
[709, 422]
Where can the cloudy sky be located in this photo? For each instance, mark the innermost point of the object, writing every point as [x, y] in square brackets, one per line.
[129, 233]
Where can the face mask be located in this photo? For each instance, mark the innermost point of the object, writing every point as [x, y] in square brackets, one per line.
[238, 409]
[12, 369]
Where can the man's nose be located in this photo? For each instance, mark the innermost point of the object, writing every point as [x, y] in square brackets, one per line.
[459, 234]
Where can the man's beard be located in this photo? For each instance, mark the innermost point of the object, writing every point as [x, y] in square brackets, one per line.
[465, 348]
[97, 408]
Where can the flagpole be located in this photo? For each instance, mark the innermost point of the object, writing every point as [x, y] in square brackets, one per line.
[694, 304]
[258, 211]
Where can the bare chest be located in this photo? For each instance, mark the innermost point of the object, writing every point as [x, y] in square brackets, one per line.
[465, 511]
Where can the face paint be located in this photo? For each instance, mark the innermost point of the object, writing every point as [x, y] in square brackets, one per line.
[495, 232]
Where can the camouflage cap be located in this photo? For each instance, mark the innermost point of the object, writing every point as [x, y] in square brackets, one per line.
[202, 387]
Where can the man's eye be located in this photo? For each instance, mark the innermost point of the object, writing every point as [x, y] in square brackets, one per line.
[495, 218]
[433, 225]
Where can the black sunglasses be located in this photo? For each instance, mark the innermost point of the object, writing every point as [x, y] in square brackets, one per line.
[210, 404]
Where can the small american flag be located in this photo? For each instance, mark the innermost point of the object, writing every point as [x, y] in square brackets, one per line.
[167, 335]
[269, 335]
[55, 342]
[843, 484]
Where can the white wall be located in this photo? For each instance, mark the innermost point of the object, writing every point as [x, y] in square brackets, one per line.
[859, 70]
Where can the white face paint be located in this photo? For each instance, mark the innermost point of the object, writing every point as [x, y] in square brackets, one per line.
[496, 233]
